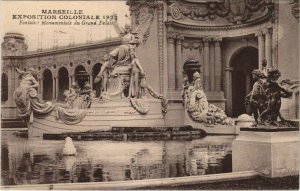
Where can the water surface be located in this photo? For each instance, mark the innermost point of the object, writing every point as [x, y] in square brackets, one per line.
[37, 161]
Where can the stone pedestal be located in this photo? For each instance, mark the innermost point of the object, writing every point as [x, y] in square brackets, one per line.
[271, 152]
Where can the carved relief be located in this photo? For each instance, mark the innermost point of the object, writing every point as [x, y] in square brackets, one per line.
[160, 35]
[14, 45]
[142, 13]
[235, 11]
[295, 8]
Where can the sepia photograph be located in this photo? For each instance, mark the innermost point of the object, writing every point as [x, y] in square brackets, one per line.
[149, 94]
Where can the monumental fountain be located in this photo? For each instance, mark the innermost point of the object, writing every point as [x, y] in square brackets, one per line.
[123, 102]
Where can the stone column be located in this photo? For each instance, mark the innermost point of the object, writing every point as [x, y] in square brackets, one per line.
[206, 63]
[91, 81]
[218, 63]
[268, 47]
[228, 89]
[56, 88]
[171, 60]
[70, 81]
[248, 89]
[53, 88]
[179, 61]
[212, 67]
[201, 51]
[42, 87]
[9, 84]
[261, 48]
[39, 88]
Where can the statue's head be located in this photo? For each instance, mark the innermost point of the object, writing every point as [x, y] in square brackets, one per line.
[74, 84]
[273, 74]
[31, 71]
[87, 86]
[105, 57]
[264, 63]
[258, 74]
[196, 75]
[127, 28]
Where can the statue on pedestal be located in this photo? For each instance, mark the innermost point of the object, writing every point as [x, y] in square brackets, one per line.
[265, 97]
[123, 76]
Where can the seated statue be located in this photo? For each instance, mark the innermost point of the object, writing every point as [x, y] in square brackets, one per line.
[87, 94]
[198, 107]
[124, 55]
[122, 74]
[71, 94]
[26, 97]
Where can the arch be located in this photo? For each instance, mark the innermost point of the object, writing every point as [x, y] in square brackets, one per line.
[63, 82]
[47, 85]
[4, 87]
[96, 86]
[79, 77]
[243, 62]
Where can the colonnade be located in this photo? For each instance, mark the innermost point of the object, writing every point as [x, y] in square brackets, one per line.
[55, 85]
[211, 61]
[265, 46]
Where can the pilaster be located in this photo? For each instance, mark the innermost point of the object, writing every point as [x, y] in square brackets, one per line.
[218, 63]
[261, 47]
[171, 60]
[178, 79]
[268, 46]
[206, 41]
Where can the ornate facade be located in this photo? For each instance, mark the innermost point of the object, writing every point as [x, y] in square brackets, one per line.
[228, 38]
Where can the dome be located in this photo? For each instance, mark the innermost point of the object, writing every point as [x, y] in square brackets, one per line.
[13, 34]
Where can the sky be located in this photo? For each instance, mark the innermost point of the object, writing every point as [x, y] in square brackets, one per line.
[38, 35]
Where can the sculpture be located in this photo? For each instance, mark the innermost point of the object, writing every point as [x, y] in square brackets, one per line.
[257, 98]
[87, 94]
[26, 96]
[71, 94]
[122, 74]
[124, 55]
[69, 148]
[265, 98]
[198, 107]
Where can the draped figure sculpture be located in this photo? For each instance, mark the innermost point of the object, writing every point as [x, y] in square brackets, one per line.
[122, 74]
[198, 107]
[124, 55]
[26, 99]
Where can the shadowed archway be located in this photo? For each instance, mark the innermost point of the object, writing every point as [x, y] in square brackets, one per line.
[4, 87]
[96, 86]
[63, 83]
[243, 62]
[47, 85]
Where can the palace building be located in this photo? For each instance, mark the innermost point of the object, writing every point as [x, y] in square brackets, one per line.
[225, 40]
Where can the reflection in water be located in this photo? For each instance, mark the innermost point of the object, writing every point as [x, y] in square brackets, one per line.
[36, 161]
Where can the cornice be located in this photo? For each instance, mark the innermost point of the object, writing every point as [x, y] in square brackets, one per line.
[60, 50]
[179, 25]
